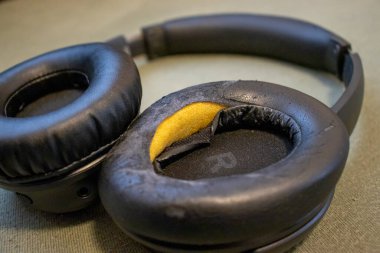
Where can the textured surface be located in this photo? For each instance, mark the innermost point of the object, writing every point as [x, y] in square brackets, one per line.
[221, 209]
[187, 121]
[27, 28]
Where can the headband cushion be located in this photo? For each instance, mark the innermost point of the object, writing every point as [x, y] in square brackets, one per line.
[259, 206]
[54, 142]
[277, 37]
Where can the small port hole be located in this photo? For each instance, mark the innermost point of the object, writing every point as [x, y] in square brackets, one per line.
[83, 192]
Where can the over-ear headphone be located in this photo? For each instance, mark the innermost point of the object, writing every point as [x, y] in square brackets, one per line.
[218, 167]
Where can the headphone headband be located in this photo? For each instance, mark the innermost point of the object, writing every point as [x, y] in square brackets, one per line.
[282, 38]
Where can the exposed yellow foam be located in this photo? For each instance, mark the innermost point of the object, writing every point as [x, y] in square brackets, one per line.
[183, 123]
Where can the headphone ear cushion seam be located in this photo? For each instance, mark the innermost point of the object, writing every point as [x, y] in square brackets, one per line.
[66, 168]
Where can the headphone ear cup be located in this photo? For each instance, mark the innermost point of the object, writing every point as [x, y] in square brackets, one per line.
[272, 206]
[74, 137]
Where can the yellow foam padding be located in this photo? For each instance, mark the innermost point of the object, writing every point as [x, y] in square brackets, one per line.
[183, 123]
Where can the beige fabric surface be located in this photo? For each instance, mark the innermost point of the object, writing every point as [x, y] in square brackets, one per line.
[28, 28]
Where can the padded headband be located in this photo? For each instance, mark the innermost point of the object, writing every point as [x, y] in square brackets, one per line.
[277, 37]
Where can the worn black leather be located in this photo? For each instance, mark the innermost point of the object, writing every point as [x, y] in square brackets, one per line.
[257, 208]
[237, 212]
[48, 145]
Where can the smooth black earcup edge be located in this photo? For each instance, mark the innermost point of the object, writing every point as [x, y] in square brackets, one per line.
[279, 246]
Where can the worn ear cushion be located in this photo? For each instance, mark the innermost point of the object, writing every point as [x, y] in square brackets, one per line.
[58, 141]
[239, 211]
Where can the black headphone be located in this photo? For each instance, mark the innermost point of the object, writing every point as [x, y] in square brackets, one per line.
[218, 167]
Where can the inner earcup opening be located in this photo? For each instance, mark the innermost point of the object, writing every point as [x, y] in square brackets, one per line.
[240, 140]
[46, 94]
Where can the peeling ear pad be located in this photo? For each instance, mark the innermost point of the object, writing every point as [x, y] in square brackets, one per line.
[60, 113]
[257, 175]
